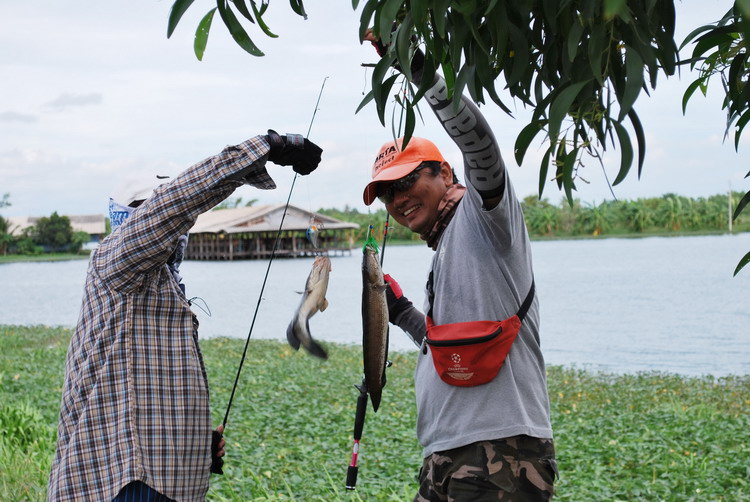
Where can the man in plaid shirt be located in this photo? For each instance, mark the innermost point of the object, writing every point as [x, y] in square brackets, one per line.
[135, 418]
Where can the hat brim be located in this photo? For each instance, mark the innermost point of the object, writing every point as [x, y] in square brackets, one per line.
[390, 174]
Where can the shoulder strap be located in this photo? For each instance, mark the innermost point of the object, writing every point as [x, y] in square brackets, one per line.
[527, 302]
[521, 311]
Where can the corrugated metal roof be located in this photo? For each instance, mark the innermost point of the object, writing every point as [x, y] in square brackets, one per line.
[92, 224]
[263, 219]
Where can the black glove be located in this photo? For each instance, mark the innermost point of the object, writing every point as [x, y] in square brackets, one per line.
[417, 61]
[394, 297]
[293, 150]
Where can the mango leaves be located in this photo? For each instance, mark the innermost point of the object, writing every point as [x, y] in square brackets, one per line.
[580, 64]
[254, 15]
[722, 49]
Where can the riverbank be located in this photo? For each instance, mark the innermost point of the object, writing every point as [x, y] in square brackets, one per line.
[15, 258]
[645, 436]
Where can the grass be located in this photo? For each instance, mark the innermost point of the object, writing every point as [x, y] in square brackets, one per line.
[646, 436]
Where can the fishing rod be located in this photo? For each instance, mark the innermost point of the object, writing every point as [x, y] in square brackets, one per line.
[217, 463]
[359, 415]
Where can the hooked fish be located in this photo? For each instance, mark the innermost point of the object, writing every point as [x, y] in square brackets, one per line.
[313, 300]
[374, 324]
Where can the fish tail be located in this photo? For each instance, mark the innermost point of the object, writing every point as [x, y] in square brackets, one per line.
[291, 335]
[375, 399]
[312, 346]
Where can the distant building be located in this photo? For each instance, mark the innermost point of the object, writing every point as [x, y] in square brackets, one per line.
[93, 224]
[250, 233]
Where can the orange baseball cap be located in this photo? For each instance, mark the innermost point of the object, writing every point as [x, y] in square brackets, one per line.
[393, 163]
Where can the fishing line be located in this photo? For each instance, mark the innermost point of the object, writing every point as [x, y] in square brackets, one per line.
[270, 260]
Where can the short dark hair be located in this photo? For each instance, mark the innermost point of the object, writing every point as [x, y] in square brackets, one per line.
[434, 166]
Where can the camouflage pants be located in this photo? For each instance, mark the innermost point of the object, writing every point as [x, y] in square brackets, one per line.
[515, 469]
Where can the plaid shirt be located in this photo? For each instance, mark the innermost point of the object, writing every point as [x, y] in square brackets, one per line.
[135, 399]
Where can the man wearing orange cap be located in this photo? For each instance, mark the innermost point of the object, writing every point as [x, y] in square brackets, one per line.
[482, 403]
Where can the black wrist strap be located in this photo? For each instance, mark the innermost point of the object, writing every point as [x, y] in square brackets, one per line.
[274, 139]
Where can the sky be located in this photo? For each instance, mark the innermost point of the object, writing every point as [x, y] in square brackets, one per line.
[93, 94]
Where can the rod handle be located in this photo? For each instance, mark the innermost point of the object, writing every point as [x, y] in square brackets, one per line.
[216, 462]
[351, 477]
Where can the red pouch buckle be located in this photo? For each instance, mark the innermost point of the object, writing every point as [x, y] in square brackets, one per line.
[466, 354]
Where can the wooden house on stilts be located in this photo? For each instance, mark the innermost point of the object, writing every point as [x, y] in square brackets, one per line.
[250, 232]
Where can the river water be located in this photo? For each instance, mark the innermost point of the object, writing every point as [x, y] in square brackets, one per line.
[615, 305]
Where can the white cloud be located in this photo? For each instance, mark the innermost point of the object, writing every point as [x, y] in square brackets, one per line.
[67, 100]
[17, 117]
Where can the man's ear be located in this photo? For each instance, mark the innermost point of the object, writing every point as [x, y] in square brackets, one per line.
[446, 172]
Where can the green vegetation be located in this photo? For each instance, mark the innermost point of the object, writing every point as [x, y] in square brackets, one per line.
[11, 258]
[53, 234]
[669, 214]
[648, 436]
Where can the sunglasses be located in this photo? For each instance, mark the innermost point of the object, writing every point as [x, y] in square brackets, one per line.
[387, 195]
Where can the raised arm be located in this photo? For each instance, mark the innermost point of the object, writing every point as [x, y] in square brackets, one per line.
[484, 168]
[483, 165]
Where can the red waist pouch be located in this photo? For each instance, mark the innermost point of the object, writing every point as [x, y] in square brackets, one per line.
[466, 354]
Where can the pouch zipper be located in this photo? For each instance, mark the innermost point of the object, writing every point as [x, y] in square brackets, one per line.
[463, 341]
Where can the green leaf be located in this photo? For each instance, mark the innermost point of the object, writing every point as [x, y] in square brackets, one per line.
[598, 39]
[694, 34]
[741, 123]
[381, 96]
[365, 17]
[410, 121]
[201, 34]
[387, 16]
[242, 7]
[465, 75]
[262, 24]
[544, 169]
[744, 261]
[419, 12]
[574, 38]
[634, 82]
[236, 30]
[640, 138]
[626, 152]
[520, 60]
[175, 14]
[569, 164]
[369, 97]
[613, 8]
[298, 7]
[403, 45]
[560, 107]
[439, 14]
[689, 92]
[525, 137]
[741, 205]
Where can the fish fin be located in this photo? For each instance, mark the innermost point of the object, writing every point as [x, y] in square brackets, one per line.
[291, 336]
[381, 289]
[323, 305]
[300, 292]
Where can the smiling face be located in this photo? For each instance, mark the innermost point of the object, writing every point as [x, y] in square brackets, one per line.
[417, 207]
